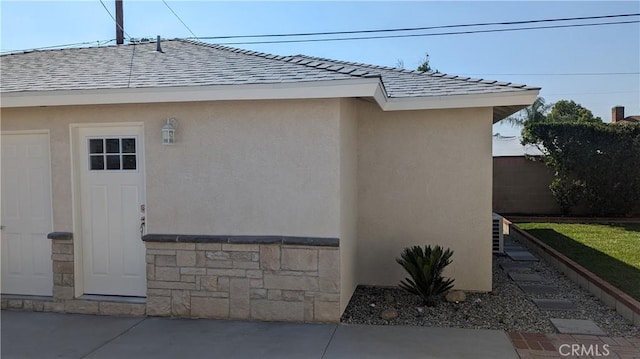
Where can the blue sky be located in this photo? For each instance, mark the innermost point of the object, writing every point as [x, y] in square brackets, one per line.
[537, 57]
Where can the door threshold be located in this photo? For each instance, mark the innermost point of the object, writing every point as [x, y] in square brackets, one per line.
[114, 298]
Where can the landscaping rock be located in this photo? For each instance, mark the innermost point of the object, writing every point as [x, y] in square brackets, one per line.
[456, 296]
[388, 297]
[389, 314]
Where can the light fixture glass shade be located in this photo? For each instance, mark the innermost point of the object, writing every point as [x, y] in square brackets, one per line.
[169, 132]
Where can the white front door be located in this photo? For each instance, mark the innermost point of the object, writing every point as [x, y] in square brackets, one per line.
[112, 197]
[26, 215]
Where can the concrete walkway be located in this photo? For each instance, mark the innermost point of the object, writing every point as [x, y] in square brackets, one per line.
[48, 335]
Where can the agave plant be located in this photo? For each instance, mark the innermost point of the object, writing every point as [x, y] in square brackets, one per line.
[425, 268]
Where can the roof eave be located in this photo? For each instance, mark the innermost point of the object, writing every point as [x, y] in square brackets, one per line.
[360, 87]
[504, 103]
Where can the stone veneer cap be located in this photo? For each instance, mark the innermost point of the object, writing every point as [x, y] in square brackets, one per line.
[183, 238]
[60, 235]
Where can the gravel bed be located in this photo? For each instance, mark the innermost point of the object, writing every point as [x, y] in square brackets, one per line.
[507, 307]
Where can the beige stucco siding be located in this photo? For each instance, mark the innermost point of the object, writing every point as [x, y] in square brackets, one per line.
[250, 167]
[424, 177]
[348, 201]
[255, 168]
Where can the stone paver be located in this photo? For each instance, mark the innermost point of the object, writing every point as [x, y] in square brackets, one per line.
[576, 326]
[521, 256]
[525, 277]
[516, 267]
[537, 288]
[555, 304]
[514, 247]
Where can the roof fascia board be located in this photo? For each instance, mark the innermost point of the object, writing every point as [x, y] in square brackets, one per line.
[461, 101]
[364, 87]
[299, 90]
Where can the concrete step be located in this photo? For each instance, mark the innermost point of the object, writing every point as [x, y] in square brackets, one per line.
[521, 256]
[555, 304]
[525, 277]
[577, 326]
[538, 288]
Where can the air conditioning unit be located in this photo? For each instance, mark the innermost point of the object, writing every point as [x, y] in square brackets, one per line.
[497, 237]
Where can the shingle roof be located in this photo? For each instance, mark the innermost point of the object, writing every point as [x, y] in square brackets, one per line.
[188, 63]
[407, 83]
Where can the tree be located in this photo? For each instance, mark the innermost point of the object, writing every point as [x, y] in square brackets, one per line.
[569, 111]
[537, 112]
[425, 66]
[595, 164]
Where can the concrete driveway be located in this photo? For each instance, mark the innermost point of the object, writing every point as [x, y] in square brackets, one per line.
[52, 335]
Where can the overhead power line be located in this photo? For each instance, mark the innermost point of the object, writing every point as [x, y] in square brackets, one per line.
[97, 43]
[558, 74]
[428, 34]
[114, 19]
[178, 17]
[379, 31]
[417, 28]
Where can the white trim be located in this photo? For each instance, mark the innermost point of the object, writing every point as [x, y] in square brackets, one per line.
[298, 90]
[461, 101]
[76, 209]
[364, 87]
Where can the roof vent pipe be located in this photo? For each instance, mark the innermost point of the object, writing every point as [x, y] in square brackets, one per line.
[158, 47]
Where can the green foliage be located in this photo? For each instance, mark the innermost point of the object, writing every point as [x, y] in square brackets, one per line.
[569, 111]
[425, 66]
[425, 269]
[595, 164]
[537, 112]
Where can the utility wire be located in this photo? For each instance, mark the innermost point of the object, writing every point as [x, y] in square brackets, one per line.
[430, 34]
[178, 17]
[416, 28]
[114, 19]
[560, 74]
[382, 30]
[97, 43]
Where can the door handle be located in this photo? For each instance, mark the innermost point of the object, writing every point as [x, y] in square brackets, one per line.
[142, 224]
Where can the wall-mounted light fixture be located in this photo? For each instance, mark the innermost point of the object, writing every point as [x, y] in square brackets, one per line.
[169, 132]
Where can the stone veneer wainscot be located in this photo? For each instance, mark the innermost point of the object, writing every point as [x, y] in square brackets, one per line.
[269, 278]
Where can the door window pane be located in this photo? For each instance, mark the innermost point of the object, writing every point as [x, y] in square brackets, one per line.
[113, 145]
[95, 146]
[128, 145]
[97, 162]
[128, 162]
[113, 162]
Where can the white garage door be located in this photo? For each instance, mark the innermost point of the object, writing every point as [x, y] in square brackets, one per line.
[26, 215]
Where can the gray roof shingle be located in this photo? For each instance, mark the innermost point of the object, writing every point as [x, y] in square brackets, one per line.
[188, 63]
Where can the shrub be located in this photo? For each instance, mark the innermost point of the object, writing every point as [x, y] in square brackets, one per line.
[425, 268]
[595, 164]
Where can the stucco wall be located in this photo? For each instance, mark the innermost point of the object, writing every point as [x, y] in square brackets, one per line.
[258, 167]
[348, 201]
[424, 177]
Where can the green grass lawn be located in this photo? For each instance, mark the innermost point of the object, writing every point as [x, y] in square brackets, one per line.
[610, 251]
